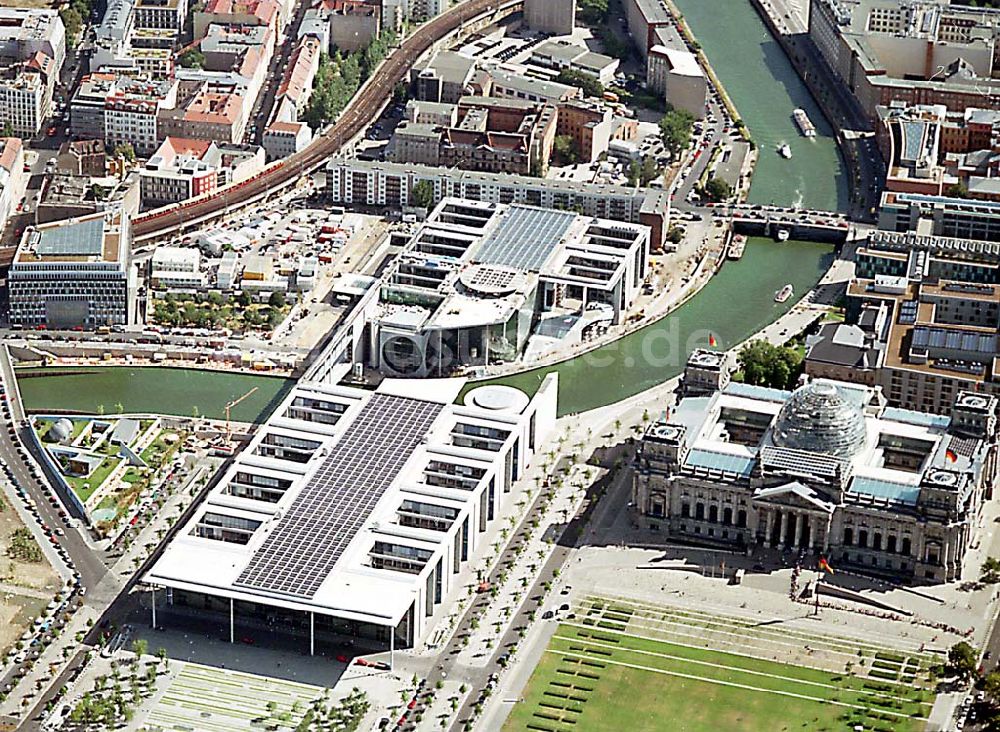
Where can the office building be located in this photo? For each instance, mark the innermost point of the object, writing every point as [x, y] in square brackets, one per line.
[74, 272]
[914, 51]
[173, 268]
[556, 17]
[473, 282]
[560, 55]
[353, 512]
[827, 469]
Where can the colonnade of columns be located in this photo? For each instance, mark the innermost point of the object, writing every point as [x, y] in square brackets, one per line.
[794, 529]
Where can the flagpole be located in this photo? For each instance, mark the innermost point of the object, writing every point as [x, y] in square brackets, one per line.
[819, 576]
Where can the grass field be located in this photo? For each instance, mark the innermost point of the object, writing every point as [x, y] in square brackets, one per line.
[600, 675]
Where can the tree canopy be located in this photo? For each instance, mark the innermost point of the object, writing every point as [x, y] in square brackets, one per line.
[192, 59]
[675, 130]
[590, 85]
[592, 12]
[963, 661]
[764, 364]
[422, 194]
[717, 190]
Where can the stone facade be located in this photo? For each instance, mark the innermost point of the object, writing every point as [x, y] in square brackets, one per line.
[880, 490]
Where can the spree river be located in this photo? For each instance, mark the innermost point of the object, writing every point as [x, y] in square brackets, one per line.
[736, 303]
[158, 390]
[739, 300]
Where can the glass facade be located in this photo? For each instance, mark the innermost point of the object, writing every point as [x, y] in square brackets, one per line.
[817, 418]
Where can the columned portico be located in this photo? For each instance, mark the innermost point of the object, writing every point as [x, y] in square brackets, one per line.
[793, 515]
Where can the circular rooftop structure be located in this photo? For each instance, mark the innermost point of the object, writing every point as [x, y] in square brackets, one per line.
[818, 418]
[497, 398]
[61, 430]
[492, 280]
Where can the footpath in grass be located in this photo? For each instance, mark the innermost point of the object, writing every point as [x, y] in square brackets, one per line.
[588, 681]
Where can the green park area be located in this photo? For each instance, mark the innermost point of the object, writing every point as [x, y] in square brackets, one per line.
[602, 673]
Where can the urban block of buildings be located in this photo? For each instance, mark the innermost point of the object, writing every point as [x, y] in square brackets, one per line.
[828, 469]
[32, 49]
[914, 51]
[353, 512]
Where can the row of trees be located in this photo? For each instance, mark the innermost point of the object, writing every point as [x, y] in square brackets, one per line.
[213, 311]
[74, 15]
[340, 76]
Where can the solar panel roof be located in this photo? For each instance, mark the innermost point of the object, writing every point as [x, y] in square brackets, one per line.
[82, 238]
[525, 237]
[339, 497]
[954, 340]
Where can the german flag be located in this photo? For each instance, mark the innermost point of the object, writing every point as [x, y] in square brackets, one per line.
[951, 455]
[711, 340]
[825, 565]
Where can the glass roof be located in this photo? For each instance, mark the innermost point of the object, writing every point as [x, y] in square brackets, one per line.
[818, 418]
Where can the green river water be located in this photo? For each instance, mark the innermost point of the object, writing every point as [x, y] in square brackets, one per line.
[736, 303]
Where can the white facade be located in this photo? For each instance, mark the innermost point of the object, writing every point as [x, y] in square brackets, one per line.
[23, 103]
[677, 77]
[385, 562]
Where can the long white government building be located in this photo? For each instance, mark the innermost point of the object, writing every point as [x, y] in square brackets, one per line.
[352, 512]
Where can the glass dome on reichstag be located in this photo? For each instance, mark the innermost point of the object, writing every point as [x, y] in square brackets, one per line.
[818, 418]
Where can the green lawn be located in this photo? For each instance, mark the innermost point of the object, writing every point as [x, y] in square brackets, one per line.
[587, 681]
[93, 482]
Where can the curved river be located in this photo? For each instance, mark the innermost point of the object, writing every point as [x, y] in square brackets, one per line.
[736, 303]
[739, 300]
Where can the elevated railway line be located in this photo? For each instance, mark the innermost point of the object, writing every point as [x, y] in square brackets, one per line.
[363, 108]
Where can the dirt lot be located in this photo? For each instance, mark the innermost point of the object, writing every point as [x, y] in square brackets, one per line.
[25, 587]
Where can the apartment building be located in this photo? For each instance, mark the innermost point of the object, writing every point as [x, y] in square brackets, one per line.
[183, 168]
[354, 25]
[495, 135]
[132, 113]
[388, 185]
[677, 76]
[160, 14]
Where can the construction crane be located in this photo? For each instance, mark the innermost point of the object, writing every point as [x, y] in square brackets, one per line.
[229, 431]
